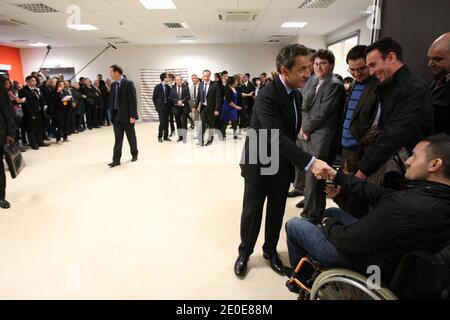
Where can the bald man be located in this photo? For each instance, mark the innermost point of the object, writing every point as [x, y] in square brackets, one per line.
[439, 62]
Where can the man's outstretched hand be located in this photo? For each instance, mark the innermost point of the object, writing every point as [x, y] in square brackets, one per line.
[322, 171]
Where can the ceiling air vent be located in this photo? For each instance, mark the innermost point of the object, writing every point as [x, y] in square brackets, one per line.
[21, 41]
[116, 40]
[237, 16]
[36, 7]
[175, 25]
[316, 4]
[273, 41]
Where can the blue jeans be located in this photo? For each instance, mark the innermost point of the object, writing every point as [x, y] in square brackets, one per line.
[305, 238]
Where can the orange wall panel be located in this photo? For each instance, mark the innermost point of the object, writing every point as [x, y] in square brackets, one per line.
[11, 56]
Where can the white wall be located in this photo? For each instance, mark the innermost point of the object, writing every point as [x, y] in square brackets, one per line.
[233, 58]
[361, 25]
[313, 42]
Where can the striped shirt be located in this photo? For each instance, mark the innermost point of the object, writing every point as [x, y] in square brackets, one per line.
[348, 140]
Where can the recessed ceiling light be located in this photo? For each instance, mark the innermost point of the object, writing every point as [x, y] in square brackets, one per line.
[82, 27]
[187, 41]
[291, 24]
[158, 4]
[38, 44]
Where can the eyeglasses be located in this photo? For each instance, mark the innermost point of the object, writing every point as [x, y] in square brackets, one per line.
[359, 70]
[322, 64]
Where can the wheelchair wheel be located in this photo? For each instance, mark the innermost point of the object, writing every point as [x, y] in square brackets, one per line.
[341, 284]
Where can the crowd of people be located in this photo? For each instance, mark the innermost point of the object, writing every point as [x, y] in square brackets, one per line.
[385, 138]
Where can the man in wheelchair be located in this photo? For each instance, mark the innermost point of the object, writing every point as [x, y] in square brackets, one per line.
[415, 218]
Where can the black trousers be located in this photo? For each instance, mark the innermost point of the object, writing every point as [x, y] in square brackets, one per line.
[225, 126]
[252, 212]
[315, 198]
[172, 123]
[62, 123]
[163, 131]
[119, 130]
[91, 116]
[34, 132]
[2, 176]
[181, 121]
[208, 122]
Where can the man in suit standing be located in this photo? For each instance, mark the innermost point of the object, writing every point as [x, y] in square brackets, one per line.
[208, 105]
[123, 106]
[161, 102]
[32, 110]
[322, 116]
[193, 90]
[248, 90]
[179, 98]
[7, 131]
[277, 116]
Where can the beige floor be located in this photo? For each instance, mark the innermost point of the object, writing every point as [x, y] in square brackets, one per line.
[166, 227]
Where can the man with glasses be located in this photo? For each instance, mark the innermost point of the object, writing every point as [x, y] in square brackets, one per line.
[322, 114]
[361, 107]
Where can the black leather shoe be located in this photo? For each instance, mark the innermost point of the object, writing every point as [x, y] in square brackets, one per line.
[160, 140]
[180, 139]
[35, 147]
[114, 164]
[301, 204]
[240, 267]
[208, 143]
[167, 139]
[172, 134]
[295, 194]
[134, 159]
[5, 204]
[275, 263]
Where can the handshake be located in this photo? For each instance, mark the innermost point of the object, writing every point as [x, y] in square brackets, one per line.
[322, 171]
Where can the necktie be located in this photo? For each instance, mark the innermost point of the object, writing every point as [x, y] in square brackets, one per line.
[179, 92]
[116, 97]
[205, 93]
[292, 97]
[195, 92]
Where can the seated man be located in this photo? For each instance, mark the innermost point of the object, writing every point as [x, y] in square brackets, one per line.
[414, 218]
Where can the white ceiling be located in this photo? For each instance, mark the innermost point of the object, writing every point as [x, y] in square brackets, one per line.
[141, 26]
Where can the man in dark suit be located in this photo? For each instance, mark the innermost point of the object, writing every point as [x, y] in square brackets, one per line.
[322, 115]
[179, 98]
[123, 106]
[32, 111]
[208, 105]
[7, 131]
[247, 89]
[162, 105]
[273, 130]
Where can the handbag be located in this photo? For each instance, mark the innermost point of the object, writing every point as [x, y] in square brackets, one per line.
[14, 159]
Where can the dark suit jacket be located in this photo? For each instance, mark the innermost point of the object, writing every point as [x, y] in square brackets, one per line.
[322, 116]
[247, 101]
[366, 110]
[441, 106]
[32, 107]
[185, 97]
[214, 97]
[159, 98]
[274, 109]
[7, 121]
[127, 101]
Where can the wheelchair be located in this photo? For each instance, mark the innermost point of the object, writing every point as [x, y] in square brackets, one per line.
[420, 275]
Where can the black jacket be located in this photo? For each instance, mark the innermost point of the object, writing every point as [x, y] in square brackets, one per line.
[185, 97]
[366, 110]
[34, 103]
[159, 99]
[406, 118]
[127, 101]
[441, 106]
[214, 97]
[7, 121]
[417, 217]
[273, 110]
